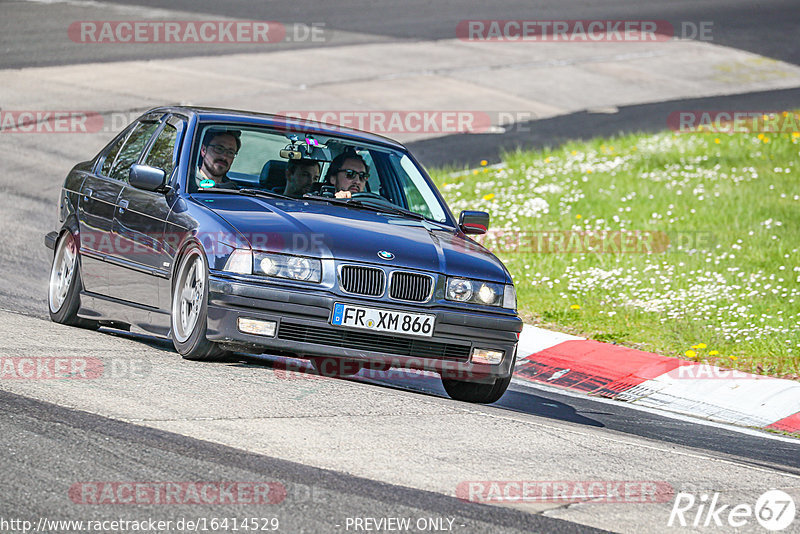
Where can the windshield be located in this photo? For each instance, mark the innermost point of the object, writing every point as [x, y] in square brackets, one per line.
[297, 164]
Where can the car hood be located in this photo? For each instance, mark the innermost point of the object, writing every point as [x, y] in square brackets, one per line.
[323, 230]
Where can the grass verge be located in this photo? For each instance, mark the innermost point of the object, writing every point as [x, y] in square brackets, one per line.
[686, 244]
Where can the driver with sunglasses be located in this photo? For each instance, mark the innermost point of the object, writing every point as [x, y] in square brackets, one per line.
[217, 151]
[348, 173]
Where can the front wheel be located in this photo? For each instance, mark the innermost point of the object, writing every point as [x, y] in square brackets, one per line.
[476, 392]
[190, 308]
[63, 292]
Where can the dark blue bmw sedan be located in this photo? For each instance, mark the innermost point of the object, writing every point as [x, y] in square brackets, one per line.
[237, 231]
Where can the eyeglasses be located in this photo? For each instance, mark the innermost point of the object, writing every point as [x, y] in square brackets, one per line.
[363, 176]
[220, 150]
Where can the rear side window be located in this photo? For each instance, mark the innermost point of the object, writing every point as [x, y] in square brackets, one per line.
[162, 153]
[131, 150]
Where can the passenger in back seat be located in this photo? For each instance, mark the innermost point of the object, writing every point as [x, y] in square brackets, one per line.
[300, 174]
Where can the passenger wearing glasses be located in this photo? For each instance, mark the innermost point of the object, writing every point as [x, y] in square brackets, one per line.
[217, 151]
[348, 173]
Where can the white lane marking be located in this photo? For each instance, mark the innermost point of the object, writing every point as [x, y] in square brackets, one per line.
[654, 411]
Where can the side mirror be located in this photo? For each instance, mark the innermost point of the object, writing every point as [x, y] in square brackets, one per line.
[146, 177]
[474, 222]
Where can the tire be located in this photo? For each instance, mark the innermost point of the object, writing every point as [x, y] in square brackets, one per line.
[189, 312]
[335, 367]
[476, 392]
[64, 288]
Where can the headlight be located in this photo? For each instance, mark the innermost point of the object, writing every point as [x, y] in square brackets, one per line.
[276, 265]
[291, 267]
[301, 268]
[268, 266]
[459, 289]
[474, 292]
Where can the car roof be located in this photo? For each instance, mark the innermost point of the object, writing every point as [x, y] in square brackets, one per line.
[207, 114]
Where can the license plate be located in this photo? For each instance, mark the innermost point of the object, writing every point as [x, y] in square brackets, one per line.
[418, 324]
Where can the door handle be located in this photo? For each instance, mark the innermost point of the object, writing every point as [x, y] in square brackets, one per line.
[123, 205]
[87, 194]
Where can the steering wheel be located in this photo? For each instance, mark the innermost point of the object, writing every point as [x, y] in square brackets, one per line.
[368, 195]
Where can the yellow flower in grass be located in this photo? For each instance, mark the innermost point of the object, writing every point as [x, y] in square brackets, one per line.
[795, 134]
[690, 353]
[484, 163]
[699, 346]
[760, 136]
[716, 140]
[575, 307]
[490, 196]
[713, 353]
[766, 139]
[475, 171]
[574, 152]
[734, 358]
[547, 159]
[579, 216]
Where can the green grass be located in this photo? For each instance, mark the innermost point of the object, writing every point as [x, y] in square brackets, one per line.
[726, 288]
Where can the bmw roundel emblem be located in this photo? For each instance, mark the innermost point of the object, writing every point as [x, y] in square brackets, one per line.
[386, 255]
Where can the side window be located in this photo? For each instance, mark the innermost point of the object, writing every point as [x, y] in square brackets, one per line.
[419, 196]
[132, 149]
[162, 153]
[111, 156]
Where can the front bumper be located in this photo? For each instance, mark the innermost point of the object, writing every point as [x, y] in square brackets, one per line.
[304, 329]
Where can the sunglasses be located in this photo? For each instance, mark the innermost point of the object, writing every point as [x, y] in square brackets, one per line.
[219, 150]
[363, 176]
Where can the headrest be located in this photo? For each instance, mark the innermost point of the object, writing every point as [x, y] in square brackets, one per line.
[273, 174]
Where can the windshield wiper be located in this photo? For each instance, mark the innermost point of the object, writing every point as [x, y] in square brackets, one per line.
[367, 205]
[379, 206]
[245, 191]
[263, 193]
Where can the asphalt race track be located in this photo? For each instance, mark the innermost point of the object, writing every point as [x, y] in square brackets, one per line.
[355, 455]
